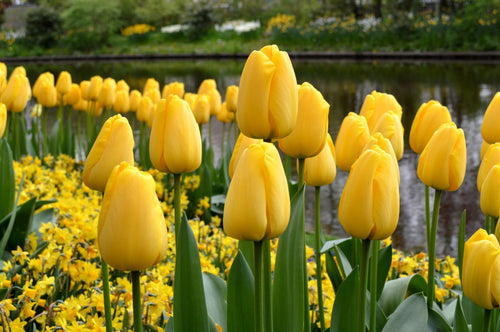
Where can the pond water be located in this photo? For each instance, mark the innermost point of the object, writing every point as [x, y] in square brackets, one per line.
[466, 88]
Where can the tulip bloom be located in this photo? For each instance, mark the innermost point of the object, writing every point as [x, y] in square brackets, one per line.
[429, 117]
[257, 204]
[84, 89]
[122, 102]
[151, 83]
[321, 170]
[308, 137]
[241, 144]
[376, 104]
[73, 96]
[369, 205]
[214, 99]
[484, 146]
[480, 269]
[144, 109]
[47, 76]
[175, 143]
[94, 87]
[490, 197]
[121, 85]
[135, 100]
[490, 129]
[352, 137]
[131, 232]
[63, 84]
[267, 96]
[174, 88]
[379, 140]
[3, 119]
[16, 93]
[231, 98]
[491, 158]
[114, 144]
[224, 115]
[442, 163]
[107, 94]
[206, 86]
[390, 126]
[201, 109]
[47, 94]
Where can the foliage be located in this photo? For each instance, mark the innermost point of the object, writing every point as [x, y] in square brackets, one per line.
[43, 27]
[159, 13]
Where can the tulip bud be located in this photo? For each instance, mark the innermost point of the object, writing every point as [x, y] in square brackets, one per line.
[19, 70]
[3, 77]
[309, 135]
[73, 96]
[47, 76]
[122, 102]
[376, 104]
[81, 105]
[390, 126]
[94, 88]
[175, 143]
[121, 85]
[206, 86]
[145, 109]
[151, 83]
[174, 88]
[114, 144]
[107, 93]
[484, 146]
[490, 159]
[257, 204]
[490, 129]
[429, 117]
[369, 205]
[47, 94]
[135, 100]
[3, 119]
[321, 170]
[214, 99]
[190, 98]
[232, 98]
[63, 84]
[201, 109]
[379, 140]
[490, 197]
[131, 233]
[84, 89]
[153, 94]
[352, 137]
[481, 263]
[267, 96]
[16, 93]
[442, 163]
[241, 144]
[224, 115]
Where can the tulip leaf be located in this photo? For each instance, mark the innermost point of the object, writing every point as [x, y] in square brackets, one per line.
[460, 323]
[240, 296]
[341, 264]
[8, 192]
[288, 288]
[215, 295]
[384, 265]
[474, 314]
[436, 321]
[246, 248]
[10, 226]
[346, 304]
[395, 291]
[410, 316]
[333, 271]
[190, 308]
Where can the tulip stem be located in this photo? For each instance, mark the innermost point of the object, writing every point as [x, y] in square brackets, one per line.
[427, 214]
[15, 132]
[307, 324]
[373, 285]
[317, 242]
[487, 320]
[45, 144]
[222, 154]
[136, 294]
[301, 171]
[105, 293]
[363, 283]
[259, 313]
[432, 249]
[177, 203]
[266, 257]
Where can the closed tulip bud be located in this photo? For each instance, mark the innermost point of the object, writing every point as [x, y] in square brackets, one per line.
[122, 102]
[241, 144]
[131, 232]
[151, 83]
[81, 105]
[153, 94]
[17, 93]
[321, 169]
[224, 115]
[352, 137]
[369, 205]
[121, 85]
[215, 101]
[107, 94]
[73, 96]
[3, 119]
[257, 204]
[442, 163]
[484, 146]
[135, 100]
[267, 95]
[429, 117]
[490, 129]
[376, 104]
[19, 70]
[174, 88]
[162, 103]
[490, 159]
[190, 98]
[232, 98]
[390, 126]
[201, 109]
[3, 77]
[94, 88]
[84, 89]
[145, 109]
[206, 86]
[175, 143]
[44, 77]
[379, 140]
[309, 135]
[490, 196]
[47, 94]
[63, 84]
[481, 263]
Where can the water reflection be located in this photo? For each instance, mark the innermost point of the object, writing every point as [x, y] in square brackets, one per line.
[464, 87]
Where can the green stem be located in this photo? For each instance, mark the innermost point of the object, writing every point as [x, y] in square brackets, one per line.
[210, 131]
[177, 203]
[363, 280]
[373, 285]
[78, 134]
[106, 295]
[317, 242]
[432, 249]
[427, 214]
[222, 140]
[486, 321]
[136, 293]
[266, 258]
[489, 224]
[301, 171]
[15, 131]
[259, 305]
[307, 324]
[45, 145]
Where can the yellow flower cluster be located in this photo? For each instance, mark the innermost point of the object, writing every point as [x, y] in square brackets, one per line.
[281, 22]
[137, 29]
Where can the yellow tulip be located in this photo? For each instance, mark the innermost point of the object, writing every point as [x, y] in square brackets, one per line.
[18, 70]
[429, 117]
[94, 88]
[308, 137]
[442, 163]
[491, 158]
[376, 104]
[107, 94]
[201, 109]
[267, 96]
[16, 93]
[352, 137]
[84, 89]
[131, 234]
[153, 94]
[173, 88]
[321, 170]
[73, 96]
[481, 269]
[484, 147]
[369, 205]
[490, 196]
[46, 76]
[122, 102]
[490, 128]
[382, 142]
[241, 144]
[3, 119]
[114, 144]
[214, 99]
[224, 115]
[151, 83]
[81, 105]
[257, 204]
[121, 85]
[190, 98]
[47, 94]
[3, 77]
[175, 143]
[231, 98]
[144, 109]
[390, 126]
[63, 84]
[135, 100]
[206, 86]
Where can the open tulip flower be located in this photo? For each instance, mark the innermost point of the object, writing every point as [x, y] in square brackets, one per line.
[321, 170]
[16, 93]
[491, 158]
[241, 144]
[490, 196]
[267, 95]
[490, 129]
[173, 88]
[382, 142]
[389, 124]
[232, 98]
[376, 104]
[352, 137]
[63, 83]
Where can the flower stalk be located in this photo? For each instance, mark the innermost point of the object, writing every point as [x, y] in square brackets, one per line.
[432, 249]
[317, 249]
[136, 294]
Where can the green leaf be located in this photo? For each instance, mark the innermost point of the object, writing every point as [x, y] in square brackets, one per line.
[22, 224]
[190, 309]
[395, 291]
[54, 143]
[289, 274]
[474, 314]
[246, 248]
[410, 316]
[384, 265]
[346, 304]
[240, 296]
[461, 242]
[8, 192]
[333, 271]
[215, 295]
[7, 233]
[436, 322]
[460, 323]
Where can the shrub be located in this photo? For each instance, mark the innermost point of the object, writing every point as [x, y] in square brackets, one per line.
[43, 27]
